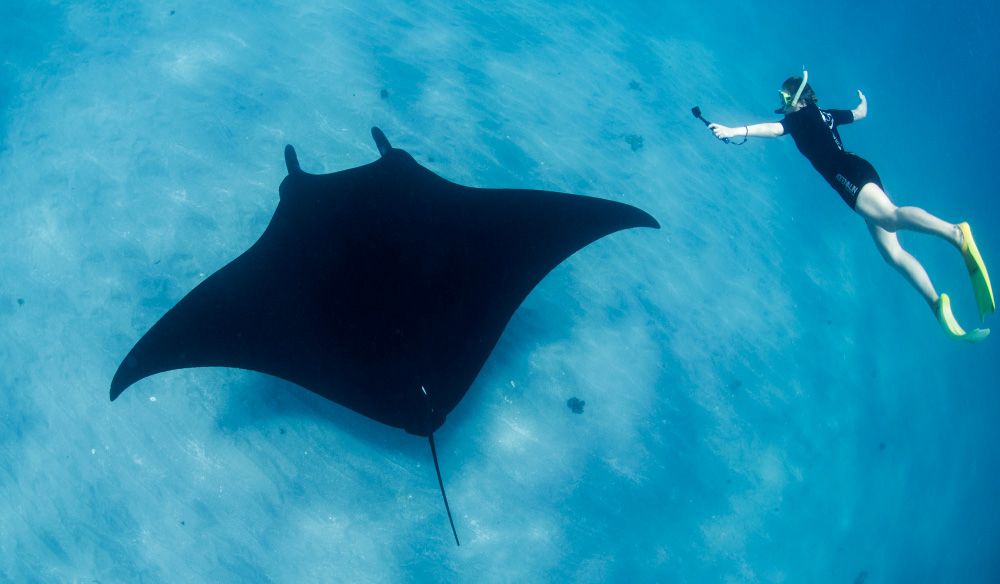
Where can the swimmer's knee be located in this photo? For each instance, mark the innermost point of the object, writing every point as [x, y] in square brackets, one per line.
[892, 254]
[886, 254]
[890, 225]
[888, 246]
[887, 219]
[893, 257]
[879, 220]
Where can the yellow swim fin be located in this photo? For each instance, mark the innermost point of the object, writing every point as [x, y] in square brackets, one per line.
[951, 327]
[977, 271]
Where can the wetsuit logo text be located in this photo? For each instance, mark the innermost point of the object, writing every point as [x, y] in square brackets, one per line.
[847, 184]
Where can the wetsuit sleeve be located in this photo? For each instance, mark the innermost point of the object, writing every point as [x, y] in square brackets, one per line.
[841, 117]
[787, 125]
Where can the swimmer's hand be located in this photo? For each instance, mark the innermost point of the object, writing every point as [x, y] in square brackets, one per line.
[861, 111]
[722, 132]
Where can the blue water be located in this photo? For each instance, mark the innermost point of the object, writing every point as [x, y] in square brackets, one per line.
[766, 400]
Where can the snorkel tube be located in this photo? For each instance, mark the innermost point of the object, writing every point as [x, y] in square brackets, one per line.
[802, 87]
[798, 94]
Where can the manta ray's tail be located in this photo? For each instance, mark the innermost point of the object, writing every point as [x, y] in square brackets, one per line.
[441, 483]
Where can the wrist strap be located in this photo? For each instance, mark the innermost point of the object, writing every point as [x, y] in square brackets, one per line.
[745, 136]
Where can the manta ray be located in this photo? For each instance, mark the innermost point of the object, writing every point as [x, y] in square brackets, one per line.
[383, 288]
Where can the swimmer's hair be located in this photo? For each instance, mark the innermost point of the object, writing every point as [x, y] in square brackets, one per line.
[791, 85]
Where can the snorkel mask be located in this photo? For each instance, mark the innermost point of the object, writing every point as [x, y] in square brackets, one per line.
[787, 99]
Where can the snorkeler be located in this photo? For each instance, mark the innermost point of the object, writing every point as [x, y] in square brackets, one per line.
[816, 136]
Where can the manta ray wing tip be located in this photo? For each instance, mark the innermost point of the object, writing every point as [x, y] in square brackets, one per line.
[117, 387]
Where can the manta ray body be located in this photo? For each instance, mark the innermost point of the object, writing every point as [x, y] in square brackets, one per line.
[383, 288]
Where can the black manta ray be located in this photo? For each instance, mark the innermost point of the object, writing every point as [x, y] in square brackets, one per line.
[383, 288]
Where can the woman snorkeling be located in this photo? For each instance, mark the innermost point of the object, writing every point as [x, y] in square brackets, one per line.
[815, 133]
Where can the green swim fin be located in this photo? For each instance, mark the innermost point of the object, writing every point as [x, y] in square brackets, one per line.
[977, 271]
[951, 327]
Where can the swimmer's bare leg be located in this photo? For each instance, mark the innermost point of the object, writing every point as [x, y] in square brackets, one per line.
[904, 263]
[875, 207]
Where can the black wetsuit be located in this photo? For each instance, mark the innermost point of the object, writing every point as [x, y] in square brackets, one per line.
[815, 133]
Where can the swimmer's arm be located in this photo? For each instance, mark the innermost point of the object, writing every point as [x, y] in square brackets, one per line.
[862, 110]
[771, 130]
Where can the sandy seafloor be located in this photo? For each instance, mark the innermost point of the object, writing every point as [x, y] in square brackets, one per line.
[766, 400]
